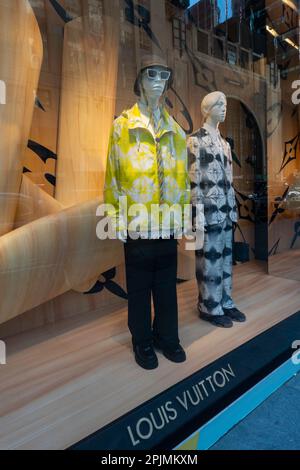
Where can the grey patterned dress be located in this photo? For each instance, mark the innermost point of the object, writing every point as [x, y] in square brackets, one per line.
[210, 170]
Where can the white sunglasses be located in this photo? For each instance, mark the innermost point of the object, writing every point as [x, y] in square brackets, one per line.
[152, 74]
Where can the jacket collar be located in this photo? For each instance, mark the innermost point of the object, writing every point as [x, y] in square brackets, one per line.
[167, 123]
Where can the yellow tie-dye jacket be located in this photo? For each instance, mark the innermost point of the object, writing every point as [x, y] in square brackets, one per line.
[132, 171]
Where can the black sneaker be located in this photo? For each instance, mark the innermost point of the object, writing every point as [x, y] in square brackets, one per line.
[145, 356]
[235, 314]
[217, 320]
[173, 353]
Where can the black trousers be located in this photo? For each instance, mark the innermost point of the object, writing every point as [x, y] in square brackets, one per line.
[151, 267]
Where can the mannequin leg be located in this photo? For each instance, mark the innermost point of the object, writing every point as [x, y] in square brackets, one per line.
[139, 263]
[209, 270]
[165, 324]
[227, 301]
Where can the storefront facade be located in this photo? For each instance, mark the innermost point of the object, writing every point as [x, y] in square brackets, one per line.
[68, 71]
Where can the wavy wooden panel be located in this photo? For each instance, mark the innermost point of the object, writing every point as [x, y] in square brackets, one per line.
[45, 117]
[21, 55]
[34, 203]
[67, 306]
[52, 255]
[89, 79]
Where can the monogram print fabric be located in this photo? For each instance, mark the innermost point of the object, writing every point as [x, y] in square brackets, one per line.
[210, 170]
[214, 269]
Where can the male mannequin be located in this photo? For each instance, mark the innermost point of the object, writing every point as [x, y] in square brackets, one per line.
[147, 163]
[210, 167]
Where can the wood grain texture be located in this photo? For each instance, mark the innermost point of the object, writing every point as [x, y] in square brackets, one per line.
[88, 94]
[286, 264]
[33, 203]
[52, 255]
[70, 304]
[45, 121]
[21, 56]
[65, 381]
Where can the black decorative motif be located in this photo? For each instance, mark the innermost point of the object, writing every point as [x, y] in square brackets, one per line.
[217, 229]
[43, 152]
[38, 104]
[290, 151]
[205, 159]
[210, 304]
[226, 275]
[26, 170]
[110, 285]
[50, 178]
[212, 255]
[225, 208]
[278, 210]
[206, 184]
[224, 184]
[245, 212]
[62, 13]
[227, 251]
[274, 248]
[142, 21]
[296, 234]
[204, 76]
[210, 209]
[212, 280]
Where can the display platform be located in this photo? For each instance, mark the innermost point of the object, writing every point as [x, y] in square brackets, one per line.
[66, 381]
[286, 264]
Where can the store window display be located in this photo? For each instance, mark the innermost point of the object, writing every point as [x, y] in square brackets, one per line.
[146, 165]
[210, 167]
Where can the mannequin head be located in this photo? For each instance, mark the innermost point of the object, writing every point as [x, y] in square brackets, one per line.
[153, 84]
[214, 107]
[153, 80]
